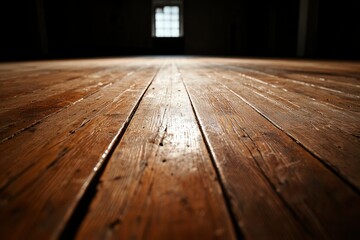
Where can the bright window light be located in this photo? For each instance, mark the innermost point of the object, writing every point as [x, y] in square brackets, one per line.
[167, 21]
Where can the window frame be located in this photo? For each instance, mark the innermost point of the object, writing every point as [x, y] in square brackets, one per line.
[162, 5]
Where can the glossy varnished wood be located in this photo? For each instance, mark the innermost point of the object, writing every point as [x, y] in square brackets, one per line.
[167, 185]
[328, 131]
[185, 148]
[45, 174]
[263, 169]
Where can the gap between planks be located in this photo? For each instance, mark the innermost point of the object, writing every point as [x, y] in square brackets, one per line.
[327, 181]
[20, 192]
[165, 117]
[344, 164]
[72, 226]
[230, 198]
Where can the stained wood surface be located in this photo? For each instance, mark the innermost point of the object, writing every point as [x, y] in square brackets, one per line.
[330, 133]
[46, 173]
[184, 148]
[265, 160]
[176, 192]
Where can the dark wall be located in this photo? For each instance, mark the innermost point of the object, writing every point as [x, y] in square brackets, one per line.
[33, 29]
[235, 27]
[338, 29]
[19, 32]
[94, 27]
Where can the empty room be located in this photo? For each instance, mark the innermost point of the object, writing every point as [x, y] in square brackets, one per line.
[179, 119]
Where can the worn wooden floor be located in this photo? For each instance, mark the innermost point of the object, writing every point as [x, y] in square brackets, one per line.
[179, 148]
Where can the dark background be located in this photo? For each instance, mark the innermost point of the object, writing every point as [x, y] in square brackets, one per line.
[40, 29]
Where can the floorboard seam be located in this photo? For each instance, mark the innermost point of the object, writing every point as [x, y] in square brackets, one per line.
[227, 199]
[327, 165]
[79, 213]
[59, 110]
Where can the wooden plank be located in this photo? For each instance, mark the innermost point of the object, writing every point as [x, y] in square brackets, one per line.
[15, 69]
[333, 83]
[101, 101]
[297, 96]
[278, 189]
[12, 71]
[253, 200]
[328, 133]
[47, 168]
[18, 114]
[39, 80]
[47, 74]
[339, 70]
[39, 95]
[343, 97]
[160, 182]
[24, 70]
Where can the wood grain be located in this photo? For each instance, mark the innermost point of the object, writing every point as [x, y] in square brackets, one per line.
[334, 94]
[266, 158]
[329, 133]
[47, 168]
[159, 183]
[180, 148]
[49, 94]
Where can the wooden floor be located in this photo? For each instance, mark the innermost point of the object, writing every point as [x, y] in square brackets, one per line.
[180, 148]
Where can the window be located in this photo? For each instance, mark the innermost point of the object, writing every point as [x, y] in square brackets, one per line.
[167, 21]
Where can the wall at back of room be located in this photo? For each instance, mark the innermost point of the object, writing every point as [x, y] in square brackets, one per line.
[48, 29]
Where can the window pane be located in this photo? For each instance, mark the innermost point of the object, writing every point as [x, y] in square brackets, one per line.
[159, 24]
[167, 32]
[175, 32]
[175, 17]
[167, 17]
[159, 32]
[167, 9]
[175, 10]
[167, 23]
[174, 24]
[159, 16]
